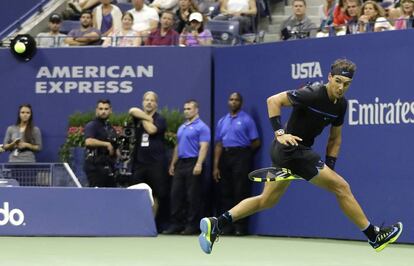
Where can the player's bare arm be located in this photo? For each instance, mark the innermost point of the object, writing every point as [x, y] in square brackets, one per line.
[334, 141]
[274, 106]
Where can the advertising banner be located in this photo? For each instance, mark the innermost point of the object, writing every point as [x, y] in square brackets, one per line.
[75, 212]
[59, 82]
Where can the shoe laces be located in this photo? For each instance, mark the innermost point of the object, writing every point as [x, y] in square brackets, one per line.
[384, 231]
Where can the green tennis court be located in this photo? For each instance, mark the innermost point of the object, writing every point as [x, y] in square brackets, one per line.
[183, 251]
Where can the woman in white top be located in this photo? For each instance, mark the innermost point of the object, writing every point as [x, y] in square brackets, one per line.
[372, 18]
[125, 37]
[107, 17]
[241, 10]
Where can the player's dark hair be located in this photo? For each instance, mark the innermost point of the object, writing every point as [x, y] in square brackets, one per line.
[343, 66]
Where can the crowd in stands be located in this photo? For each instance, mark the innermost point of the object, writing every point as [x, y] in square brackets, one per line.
[356, 16]
[183, 22]
[162, 22]
[348, 17]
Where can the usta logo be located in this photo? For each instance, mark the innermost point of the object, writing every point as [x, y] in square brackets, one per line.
[306, 70]
[14, 216]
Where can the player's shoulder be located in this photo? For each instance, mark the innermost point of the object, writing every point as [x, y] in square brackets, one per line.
[315, 86]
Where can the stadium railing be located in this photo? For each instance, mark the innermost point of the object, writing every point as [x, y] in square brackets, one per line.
[39, 174]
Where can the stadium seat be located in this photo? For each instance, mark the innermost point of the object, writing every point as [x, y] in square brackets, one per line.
[224, 32]
[68, 25]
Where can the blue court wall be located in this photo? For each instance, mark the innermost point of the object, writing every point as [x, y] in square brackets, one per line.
[58, 82]
[376, 156]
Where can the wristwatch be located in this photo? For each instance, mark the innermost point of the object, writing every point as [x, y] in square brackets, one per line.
[280, 132]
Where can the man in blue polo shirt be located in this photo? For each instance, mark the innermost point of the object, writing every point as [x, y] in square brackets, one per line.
[187, 170]
[236, 139]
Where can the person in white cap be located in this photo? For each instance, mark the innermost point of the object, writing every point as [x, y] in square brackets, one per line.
[195, 34]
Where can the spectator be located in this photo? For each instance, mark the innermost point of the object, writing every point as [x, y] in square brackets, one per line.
[407, 9]
[195, 34]
[187, 168]
[53, 38]
[107, 17]
[145, 18]
[236, 139]
[185, 8]
[372, 18]
[340, 16]
[149, 162]
[162, 5]
[298, 25]
[353, 9]
[326, 13]
[240, 10]
[100, 153]
[125, 36]
[23, 139]
[86, 34]
[165, 34]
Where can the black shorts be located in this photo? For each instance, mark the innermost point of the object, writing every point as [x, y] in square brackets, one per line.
[301, 160]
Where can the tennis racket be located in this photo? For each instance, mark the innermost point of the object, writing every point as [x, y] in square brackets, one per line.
[272, 174]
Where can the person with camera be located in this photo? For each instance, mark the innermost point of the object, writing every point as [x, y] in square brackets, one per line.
[100, 142]
[148, 162]
[298, 25]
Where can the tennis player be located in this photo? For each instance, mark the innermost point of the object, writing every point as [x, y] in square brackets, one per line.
[314, 107]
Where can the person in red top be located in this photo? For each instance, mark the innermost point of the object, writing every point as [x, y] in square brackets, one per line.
[340, 16]
[165, 34]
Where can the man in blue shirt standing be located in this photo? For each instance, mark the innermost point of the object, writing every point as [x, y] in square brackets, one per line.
[236, 139]
[187, 169]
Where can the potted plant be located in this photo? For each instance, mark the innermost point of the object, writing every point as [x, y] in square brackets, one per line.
[174, 119]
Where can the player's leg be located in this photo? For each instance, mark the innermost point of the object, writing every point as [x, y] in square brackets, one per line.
[210, 226]
[272, 192]
[331, 181]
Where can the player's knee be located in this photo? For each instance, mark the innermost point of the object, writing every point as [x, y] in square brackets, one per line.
[342, 188]
[268, 201]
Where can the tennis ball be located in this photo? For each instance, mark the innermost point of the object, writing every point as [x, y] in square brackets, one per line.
[19, 47]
